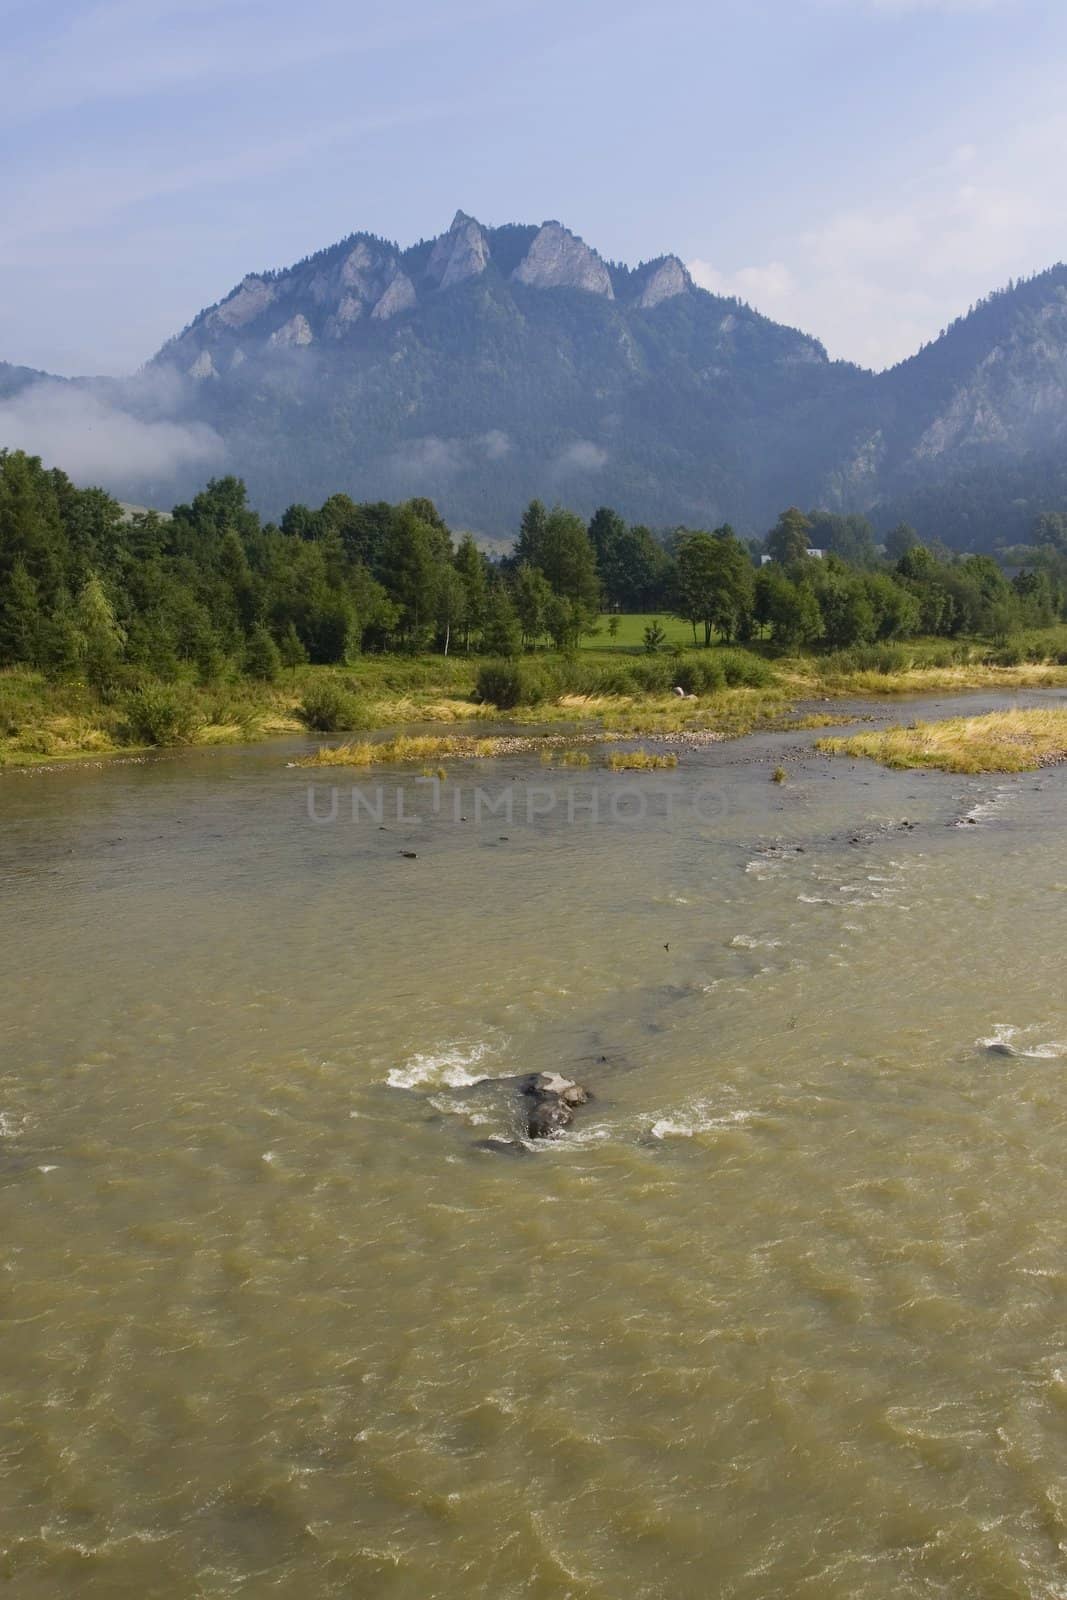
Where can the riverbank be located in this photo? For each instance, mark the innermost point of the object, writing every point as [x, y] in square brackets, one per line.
[1003, 741]
[44, 722]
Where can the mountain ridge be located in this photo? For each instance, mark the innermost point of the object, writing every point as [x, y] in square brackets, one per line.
[488, 365]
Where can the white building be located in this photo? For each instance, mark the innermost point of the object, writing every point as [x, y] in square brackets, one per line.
[816, 554]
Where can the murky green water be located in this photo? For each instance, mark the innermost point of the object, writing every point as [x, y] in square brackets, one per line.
[784, 1317]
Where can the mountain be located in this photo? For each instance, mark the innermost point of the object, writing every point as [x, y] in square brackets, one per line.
[966, 438]
[489, 365]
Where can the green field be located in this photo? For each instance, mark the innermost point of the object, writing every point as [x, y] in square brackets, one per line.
[630, 635]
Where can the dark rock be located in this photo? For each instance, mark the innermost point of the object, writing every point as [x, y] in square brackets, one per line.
[501, 1147]
[548, 1119]
[555, 1098]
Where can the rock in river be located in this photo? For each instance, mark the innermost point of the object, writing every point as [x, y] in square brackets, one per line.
[554, 1100]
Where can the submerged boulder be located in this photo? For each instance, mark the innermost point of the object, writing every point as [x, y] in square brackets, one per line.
[554, 1098]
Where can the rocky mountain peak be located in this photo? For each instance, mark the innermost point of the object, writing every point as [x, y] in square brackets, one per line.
[559, 259]
[667, 279]
[461, 253]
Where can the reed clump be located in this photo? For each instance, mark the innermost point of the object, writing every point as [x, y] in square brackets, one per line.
[641, 761]
[565, 758]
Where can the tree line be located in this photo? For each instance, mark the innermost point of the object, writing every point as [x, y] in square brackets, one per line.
[89, 588]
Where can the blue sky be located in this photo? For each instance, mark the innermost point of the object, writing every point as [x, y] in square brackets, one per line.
[861, 168]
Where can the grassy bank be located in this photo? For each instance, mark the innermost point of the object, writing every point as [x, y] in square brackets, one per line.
[618, 689]
[1004, 741]
[408, 749]
[43, 721]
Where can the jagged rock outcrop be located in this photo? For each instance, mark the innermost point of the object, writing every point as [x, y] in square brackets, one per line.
[399, 296]
[203, 366]
[461, 253]
[366, 271]
[558, 259]
[294, 334]
[247, 302]
[349, 310]
[667, 280]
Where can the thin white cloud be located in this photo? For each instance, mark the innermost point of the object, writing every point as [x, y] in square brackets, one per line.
[495, 444]
[874, 281]
[771, 288]
[130, 49]
[582, 456]
[66, 198]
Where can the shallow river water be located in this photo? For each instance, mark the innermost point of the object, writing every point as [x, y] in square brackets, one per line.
[784, 1315]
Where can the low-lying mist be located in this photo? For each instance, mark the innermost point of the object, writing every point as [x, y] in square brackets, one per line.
[117, 435]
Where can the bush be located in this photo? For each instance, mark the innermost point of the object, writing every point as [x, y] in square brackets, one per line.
[882, 658]
[121, 681]
[606, 680]
[941, 655]
[161, 714]
[653, 675]
[700, 674]
[328, 707]
[507, 684]
[743, 670]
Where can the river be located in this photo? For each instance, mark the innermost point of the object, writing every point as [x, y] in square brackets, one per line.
[783, 1315]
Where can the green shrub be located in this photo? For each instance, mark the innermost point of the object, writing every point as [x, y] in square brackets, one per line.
[120, 682]
[654, 674]
[328, 707]
[614, 679]
[743, 670]
[227, 710]
[507, 684]
[882, 658]
[161, 714]
[700, 674]
[941, 655]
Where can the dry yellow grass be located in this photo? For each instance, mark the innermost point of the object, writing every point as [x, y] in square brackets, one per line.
[391, 711]
[808, 675]
[1003, 741]
[552, 756]
[640, 761]
[403, 748]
